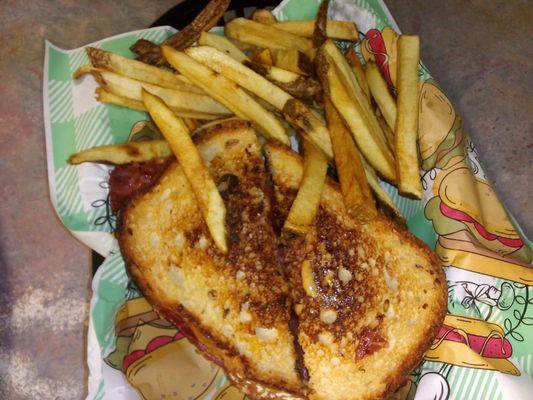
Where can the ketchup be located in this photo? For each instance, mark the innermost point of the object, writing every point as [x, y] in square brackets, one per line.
[129, 179]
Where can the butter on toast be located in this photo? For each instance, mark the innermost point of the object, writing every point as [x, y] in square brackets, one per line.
[233, 307]
[370, 298]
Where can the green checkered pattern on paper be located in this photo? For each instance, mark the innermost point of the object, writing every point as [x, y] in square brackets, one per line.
[98, 125]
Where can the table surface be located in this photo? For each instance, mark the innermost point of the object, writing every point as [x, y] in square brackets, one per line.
[479, 51]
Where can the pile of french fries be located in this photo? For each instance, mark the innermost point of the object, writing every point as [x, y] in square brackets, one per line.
[287, 78]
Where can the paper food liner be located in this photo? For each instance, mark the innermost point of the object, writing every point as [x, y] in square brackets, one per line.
[132, 353]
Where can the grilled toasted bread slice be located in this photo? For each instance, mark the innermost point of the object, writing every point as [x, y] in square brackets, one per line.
[370, 298]
[234, 307]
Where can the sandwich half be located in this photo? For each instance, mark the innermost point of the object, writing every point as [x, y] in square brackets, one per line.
[369, 298]
[233, 307]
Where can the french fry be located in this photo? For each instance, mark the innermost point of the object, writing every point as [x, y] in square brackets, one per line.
[104, 96]
[117, 154]
[261, 35]
[184, 79]
[357, 95]
[381, 195]
[292, 60]
[264, 16]
[380, 93]
[222, 44]
[176, 99]
[227, 91]
[319, 29]
[280, 74]
[389, 133]
[406, 132]
[178, 137]
[357, 68]
[191, 123]
[294, 110]
[301, 87]
[305, 206]
[138, 70]
[210, 124]
[246, 47]
[150, 53]
[301, 117]
[354, 185]
[262, 56]
[341, 30]
[237, 72]
[371, 146]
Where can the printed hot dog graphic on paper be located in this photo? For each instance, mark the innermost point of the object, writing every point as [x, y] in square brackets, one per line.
[464, 202]
[472, 343]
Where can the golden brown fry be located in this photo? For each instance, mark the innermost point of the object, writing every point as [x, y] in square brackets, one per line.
[227, 91]
[246, 47]
[357, 95]
[354, 185]
[137, 70]
[280, 74]
[104, 96]
[207, 125]
[178, 137]
[389, 133]
[176, 99]
[295, 111]
[319, 30]
[191, 123]
[292, 60]
[222, 44]
[204, 21]
[264, 16]
[380, 93]
[357, 68]
[301, 87]
[374, 150]
[237, 72]
[262, 56]
[341, 30]
[305, 206]
[381, 195]
[301, 117]
[261, 35]
[406, 132]
[117, 154]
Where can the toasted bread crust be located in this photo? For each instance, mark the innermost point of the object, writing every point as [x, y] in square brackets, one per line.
[224, 304]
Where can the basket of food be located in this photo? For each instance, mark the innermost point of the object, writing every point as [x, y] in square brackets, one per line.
[289, 208]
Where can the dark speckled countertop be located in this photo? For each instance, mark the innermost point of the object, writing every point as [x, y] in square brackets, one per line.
[479, 51]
